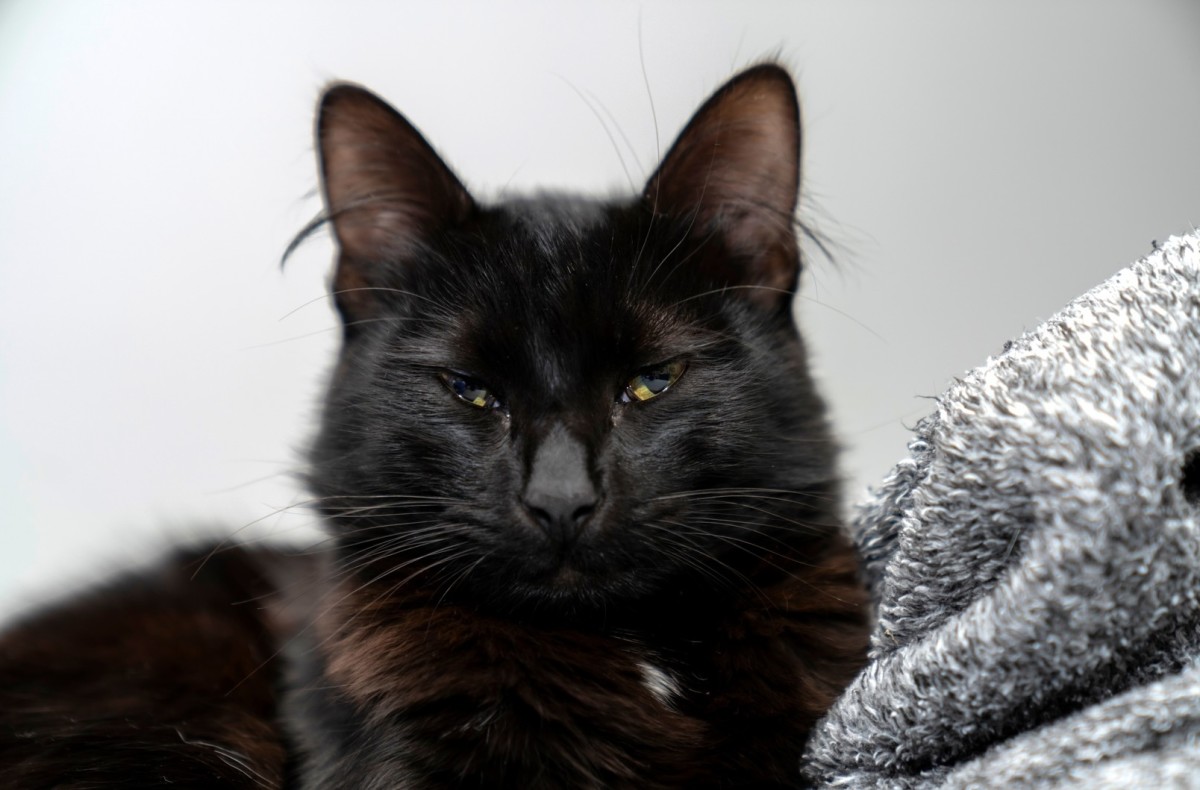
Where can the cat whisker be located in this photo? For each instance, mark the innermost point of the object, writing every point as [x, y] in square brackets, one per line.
[317, 548]
[395, 541]
[460, 576]
[393, 500]
[683, 237]
[649, 93]
[749, 585]
[389, 546]
[380, 551]
[780, 517]
[791, 574]
[847, 316]
[228, 540]
[248, 483]
[393, 528]
[738, 500]
[326, 608]
[315, 332]
[712, 566]
[329, 295]
[402, 538]
[658, 147]
[603, 125]
[725, 289]
[367, 517]
[716, 338]
[230, 757]
[347, 621]
[687, 232]
[701, 493]
[750, 546]
[334, 497]
[334, 508]
[692, 556]
[773, 518]
[762, 504]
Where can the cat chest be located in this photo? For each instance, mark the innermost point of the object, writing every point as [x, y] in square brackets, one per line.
[584, 709]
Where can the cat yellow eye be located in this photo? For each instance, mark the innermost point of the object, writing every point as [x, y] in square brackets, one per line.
[653, 381]
[469, 390]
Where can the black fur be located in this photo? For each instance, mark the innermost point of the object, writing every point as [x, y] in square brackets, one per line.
[559, 584]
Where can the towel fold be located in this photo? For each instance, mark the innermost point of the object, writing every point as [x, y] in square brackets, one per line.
[1035, 562]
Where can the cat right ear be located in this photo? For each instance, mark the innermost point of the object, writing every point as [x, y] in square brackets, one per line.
[733, 174]
[386, 191]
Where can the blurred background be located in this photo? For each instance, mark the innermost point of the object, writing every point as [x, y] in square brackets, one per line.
[974, 166]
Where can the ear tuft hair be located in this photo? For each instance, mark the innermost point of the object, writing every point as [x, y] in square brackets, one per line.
[734, 173]
[386, 190]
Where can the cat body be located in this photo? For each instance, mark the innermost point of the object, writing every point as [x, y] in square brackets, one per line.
[580, 487]
[163, 677]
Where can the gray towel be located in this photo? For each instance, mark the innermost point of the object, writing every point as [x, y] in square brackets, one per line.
[1035, 562]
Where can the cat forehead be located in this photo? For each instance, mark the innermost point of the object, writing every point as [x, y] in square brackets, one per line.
[559, 296]
[539, 248]
[557, 283]
[548, 217]
[556, 256]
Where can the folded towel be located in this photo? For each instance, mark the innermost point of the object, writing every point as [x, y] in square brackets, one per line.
[1035, 562]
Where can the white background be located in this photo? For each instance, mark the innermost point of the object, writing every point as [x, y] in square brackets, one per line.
[975, 165]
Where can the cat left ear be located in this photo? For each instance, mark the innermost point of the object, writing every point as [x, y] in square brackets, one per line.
[386, 190]
[733, 174]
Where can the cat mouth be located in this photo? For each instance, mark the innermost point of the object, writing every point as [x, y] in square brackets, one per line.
[566, 570]
[583, 580]
[567, 577]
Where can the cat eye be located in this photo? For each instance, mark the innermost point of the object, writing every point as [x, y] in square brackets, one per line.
[652, 381]
[469, 390]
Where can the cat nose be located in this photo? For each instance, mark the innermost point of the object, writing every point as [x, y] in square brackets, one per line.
[560, 496]
[562, 518]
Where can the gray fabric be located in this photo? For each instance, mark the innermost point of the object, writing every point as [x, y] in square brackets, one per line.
[1035, 562]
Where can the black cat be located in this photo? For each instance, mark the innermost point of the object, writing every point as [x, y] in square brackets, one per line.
[582, 494]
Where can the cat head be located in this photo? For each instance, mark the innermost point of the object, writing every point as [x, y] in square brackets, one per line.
[557, 401]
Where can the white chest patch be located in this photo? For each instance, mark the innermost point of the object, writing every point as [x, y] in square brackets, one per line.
[664, 687]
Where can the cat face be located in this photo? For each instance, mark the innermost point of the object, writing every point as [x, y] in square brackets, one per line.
[561, 403]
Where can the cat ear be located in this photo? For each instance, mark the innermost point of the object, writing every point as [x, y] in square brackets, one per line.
[733, 174]
[386, 190]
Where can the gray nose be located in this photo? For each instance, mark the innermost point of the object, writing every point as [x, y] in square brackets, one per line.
[560, 496]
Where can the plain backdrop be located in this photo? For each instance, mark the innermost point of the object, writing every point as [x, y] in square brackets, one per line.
[973, 165]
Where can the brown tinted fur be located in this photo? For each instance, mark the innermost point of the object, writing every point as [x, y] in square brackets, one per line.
[172, 678]
[162, 679]
[472, 700]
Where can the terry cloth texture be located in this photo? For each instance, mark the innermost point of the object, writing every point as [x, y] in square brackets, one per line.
[1035, 562]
